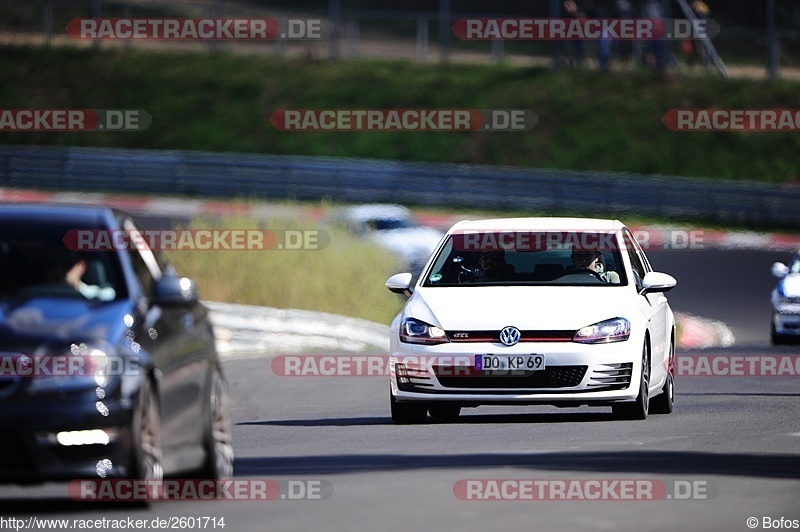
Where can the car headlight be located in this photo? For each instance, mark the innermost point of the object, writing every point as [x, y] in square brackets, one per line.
[81, 367]
[604, 332]
[418, 332]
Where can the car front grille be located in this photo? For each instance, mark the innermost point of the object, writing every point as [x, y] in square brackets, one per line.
[525, 336]
[551, 377]
[612, 377]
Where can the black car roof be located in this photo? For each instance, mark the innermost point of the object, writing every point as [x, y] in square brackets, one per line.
[85, 215]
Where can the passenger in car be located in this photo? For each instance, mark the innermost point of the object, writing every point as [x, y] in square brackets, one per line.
[66, 267]
[608, 276]
[593, 260]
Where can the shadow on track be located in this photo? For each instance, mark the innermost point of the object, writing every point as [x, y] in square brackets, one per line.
[622, 462]
[466, 419]
[740, 394]
[60, 505]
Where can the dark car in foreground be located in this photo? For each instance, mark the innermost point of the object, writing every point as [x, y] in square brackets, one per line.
[108, 367]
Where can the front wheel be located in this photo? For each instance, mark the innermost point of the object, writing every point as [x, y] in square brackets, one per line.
[637, 410]
[408, 413]
[775, 338]
[146, 460]
[218, 439]
[665, 402]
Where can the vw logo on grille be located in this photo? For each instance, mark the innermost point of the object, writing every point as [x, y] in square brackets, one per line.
[509, 336]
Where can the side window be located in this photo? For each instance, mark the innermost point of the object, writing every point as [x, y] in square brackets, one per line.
[638, 267]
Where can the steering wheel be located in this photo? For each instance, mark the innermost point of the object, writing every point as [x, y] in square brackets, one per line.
[470, 276]
[584, 271]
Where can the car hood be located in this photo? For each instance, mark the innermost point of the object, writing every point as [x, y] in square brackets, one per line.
[61, 319]
[524, 307]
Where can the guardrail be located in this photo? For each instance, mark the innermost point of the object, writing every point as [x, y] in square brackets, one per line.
[204, 174]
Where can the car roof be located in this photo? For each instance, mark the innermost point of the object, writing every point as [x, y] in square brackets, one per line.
[56, 212]
[539, 224]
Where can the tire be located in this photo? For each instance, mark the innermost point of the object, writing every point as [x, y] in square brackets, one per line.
[664, 403]
[146, 460]
[637, 409]
[444, 411]
[408, 413]
[218, 438]
[775, 338]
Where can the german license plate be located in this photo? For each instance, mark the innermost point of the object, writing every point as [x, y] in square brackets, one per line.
[509, 362]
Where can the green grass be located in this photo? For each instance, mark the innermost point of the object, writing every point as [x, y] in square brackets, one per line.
[588, 120]
[347, 277]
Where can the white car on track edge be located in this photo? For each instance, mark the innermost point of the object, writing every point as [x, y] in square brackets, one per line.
[533, 311]
[786, 302]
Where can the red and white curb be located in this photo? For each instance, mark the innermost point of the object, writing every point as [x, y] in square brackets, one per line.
[246, 331]
[702, 333]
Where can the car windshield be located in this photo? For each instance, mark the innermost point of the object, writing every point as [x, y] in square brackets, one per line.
[35, 262]
[794, 266]
[385, 224]
[514, 258]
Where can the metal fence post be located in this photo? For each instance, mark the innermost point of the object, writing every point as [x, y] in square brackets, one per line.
[48, 23]
[497, 50]
[283, 40]
[216, 12]
[422, 39]
[334, 15]
[444, 30]
[352, 37]
[556, 48]
[96, 14]
[772, 43]
[127, 12]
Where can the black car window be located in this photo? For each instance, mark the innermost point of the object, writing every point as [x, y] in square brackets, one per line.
[519, 258]
[36, 259]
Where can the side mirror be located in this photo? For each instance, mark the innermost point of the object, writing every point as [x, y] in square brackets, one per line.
[400, 284]
[171, 290]
[780, 270]
[657, 282]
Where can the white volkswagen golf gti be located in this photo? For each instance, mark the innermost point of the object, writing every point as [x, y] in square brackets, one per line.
[533, 311]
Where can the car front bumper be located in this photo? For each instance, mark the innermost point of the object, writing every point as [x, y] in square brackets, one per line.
[45, 438]
[786, 320]
[574, 374]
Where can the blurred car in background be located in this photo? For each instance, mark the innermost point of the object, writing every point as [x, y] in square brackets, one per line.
[393, 227]
[108, 366]
[786, 301]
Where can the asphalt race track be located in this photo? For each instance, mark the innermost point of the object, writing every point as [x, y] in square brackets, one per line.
[729, 452]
